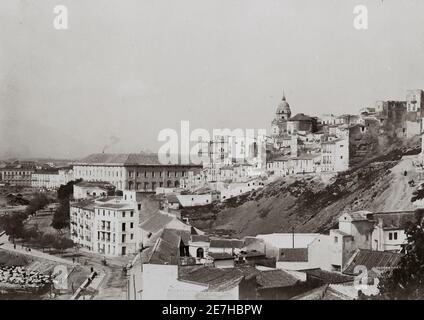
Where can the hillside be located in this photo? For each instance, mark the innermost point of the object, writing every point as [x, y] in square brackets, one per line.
[308, 204]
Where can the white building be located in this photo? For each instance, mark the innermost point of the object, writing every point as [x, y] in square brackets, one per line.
[107, 226]
[88, 189]
[335, 155]
[133, 171]
[51, 179]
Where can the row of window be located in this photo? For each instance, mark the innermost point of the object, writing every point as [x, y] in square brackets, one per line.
[153, 174]
[106, 237]
[151, 186]
[123, 214]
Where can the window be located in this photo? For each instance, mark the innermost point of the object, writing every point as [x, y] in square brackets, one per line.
[131, 225]
[199, 253]
[132, 236]
[395, 235]
[390, 236]
[139, 206]
[123, 214]
[123, 227]
[132, 214]
[336, 239]
[123, 238]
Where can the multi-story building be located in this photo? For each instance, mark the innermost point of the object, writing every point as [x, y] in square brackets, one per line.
[335, 155]
[90, 189]
[17, 174]
[140, 172]
[107, 225]
[51, 179]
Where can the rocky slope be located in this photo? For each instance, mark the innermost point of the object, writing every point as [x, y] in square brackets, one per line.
[308, 204]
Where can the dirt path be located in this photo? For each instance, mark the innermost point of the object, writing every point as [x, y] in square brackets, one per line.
[398, 195]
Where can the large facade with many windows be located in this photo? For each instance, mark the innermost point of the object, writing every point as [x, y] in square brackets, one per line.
[139, 172]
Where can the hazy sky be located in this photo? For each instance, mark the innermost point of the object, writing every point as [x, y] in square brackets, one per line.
[126, 69]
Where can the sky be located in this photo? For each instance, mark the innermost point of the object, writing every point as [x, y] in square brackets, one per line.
[124, 70]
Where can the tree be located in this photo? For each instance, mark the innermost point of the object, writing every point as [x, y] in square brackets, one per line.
[47, 240]
[62, 243]
[67, 190]
[13, 225]
[407, 281]
[39, 201]
[61, 216]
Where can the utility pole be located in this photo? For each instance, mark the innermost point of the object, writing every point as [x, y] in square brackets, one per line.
[293, 237]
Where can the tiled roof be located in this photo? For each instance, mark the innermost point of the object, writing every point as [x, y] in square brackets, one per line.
[172, 198]
[293, 255]
[275, 279]
[217, 279]
[159, 221]
[220, 256]
[118, 206]
[382, 260]
[359, 215]
[199, 238]
[127, 159]
[99, 184]
[394, 220]
[301, 117]
[121, 159]
[328, 276]
[169, 234]
[226, 243]
[166, 249]
[85, 204]
[324, 292]
[47, 171]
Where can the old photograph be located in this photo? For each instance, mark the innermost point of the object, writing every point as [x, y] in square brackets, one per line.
[211, 150]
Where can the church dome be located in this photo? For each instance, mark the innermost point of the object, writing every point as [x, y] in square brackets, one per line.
[283, 107]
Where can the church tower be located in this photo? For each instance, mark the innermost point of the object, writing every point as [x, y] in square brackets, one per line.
[282, 114]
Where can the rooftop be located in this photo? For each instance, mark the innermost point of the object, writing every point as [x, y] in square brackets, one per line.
[161, 220]
[276, 279]
[221, 256]
[394, 220]
[381, 260]
[166, 249]
[217, 279]
[325, 292]
[301, 117]
[328, 276]
[124, 159]
[99, 184]
[226, 243]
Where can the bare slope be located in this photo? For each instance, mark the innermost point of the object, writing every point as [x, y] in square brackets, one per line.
[309, 205]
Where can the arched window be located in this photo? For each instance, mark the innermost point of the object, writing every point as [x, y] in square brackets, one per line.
[169, 183]
[199, 253]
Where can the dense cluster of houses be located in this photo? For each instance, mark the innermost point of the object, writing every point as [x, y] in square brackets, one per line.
[190, 264]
